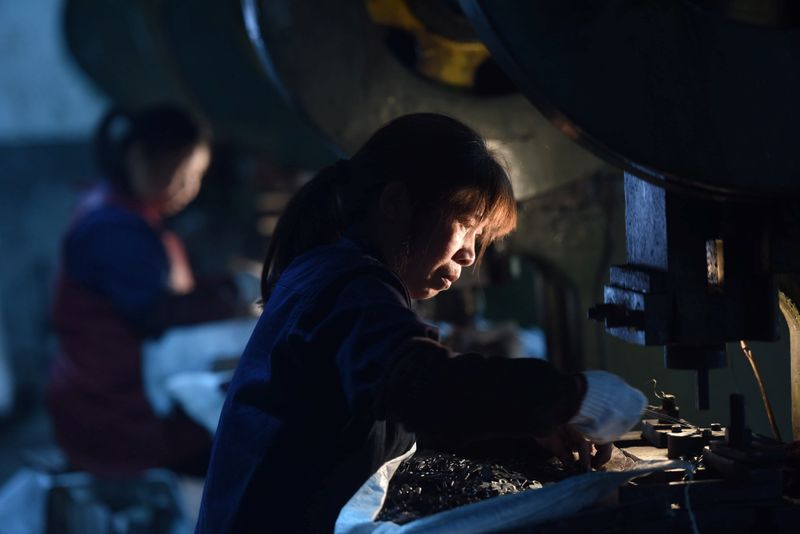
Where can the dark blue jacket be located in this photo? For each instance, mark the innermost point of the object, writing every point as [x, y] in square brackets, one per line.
[338, 372]
[298, 434]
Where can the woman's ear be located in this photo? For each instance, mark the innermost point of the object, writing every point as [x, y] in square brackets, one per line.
[394, 203]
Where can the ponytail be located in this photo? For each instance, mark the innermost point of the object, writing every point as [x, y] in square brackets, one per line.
[314, 216]
[111, 142]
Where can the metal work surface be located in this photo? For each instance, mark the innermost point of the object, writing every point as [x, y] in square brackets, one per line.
[708, 502]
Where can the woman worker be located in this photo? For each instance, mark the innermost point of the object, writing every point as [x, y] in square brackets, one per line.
[340, 371]
[124, 278]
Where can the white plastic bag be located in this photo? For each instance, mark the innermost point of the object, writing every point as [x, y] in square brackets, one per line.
[23, 500]
[189, 349]
[200, 395]
[523, 509]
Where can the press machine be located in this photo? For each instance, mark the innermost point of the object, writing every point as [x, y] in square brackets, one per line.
[697, 102]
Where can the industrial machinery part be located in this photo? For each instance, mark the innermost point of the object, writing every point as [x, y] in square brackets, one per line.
[657, 421]
[437, 42]
[339, 66]
[196, 54]
[742, 455]
[689, 442]
[663, 428]
[692, 94]
[738, 485]
[697, 102]
[700, 273]
[748, 353]
[788, 296]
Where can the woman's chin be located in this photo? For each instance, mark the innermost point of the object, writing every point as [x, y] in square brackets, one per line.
[425, 294]
[173, 207]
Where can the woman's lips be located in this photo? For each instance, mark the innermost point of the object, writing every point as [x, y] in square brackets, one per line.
[448, 280]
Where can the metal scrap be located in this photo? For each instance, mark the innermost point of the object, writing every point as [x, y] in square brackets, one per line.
[429, 482]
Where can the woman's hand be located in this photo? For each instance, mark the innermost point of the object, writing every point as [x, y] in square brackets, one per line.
[566, 441]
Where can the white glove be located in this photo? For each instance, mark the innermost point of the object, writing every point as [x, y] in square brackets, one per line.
[609, 409]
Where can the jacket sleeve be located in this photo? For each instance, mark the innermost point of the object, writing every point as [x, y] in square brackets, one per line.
[120, 258]
[433, 390]
[391, 365]
[213, 299]
[124, 260]
[368, 319]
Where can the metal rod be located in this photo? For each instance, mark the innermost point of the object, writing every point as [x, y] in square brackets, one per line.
[662, 416]
[767, 406]
[702, 389]
[737, 432]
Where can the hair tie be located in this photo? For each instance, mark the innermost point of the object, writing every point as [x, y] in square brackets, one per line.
[119, 127]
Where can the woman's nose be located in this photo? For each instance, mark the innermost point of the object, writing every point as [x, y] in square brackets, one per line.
[466, 254]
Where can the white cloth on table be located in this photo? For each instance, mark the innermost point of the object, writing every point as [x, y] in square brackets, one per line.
[177, 367]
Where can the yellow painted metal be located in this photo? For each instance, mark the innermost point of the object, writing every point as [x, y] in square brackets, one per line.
[440, 59]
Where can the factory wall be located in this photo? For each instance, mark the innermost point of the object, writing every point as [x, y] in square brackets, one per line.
[47, 112]
[43, 97]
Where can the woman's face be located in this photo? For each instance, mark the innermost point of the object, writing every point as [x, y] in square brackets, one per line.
[171, 182]
[434, 263]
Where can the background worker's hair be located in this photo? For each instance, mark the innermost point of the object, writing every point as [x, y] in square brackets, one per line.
[159, 130]
[446, 166]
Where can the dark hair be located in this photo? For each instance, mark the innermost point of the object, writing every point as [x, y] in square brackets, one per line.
[446, 166]
[159, 130]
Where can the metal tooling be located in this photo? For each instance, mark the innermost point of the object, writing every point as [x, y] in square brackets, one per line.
[700, 273]
[739, 483]
[666, 430]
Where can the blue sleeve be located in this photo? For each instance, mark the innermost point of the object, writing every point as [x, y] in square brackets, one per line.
[391, 365]
[120, 257]
[371, 320]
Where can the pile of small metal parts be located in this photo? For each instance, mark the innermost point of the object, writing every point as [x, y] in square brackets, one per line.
[430, 482]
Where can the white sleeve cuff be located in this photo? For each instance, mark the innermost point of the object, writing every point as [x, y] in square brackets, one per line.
[610, 407]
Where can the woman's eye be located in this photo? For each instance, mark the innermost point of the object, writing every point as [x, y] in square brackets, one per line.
[468, 224]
